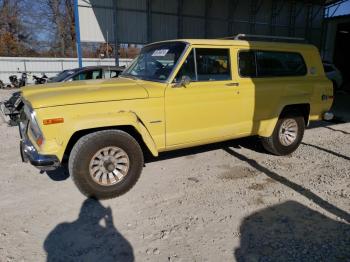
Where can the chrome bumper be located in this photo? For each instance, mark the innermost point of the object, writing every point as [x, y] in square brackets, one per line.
[31, 155]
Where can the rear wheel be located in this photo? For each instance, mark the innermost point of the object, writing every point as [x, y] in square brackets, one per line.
[106, 164]
[287, 135]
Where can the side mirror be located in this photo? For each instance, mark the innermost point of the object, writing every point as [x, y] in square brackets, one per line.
[184, 81]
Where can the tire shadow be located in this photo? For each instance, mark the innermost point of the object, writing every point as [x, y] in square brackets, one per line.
[327, 151]
[294, 186]
[292, 232]
[59, 174]
[85, 239]
[253, 143]
[337, 130]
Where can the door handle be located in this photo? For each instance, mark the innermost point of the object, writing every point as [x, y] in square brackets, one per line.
[232, 84]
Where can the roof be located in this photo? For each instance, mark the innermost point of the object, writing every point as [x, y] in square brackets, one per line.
[338, 17]
[244, 43]
[329, 2]
[102, 67]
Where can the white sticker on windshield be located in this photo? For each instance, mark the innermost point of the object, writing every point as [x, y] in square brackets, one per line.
[160, 52]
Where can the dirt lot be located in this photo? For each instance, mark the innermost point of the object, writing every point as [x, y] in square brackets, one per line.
[223, 202]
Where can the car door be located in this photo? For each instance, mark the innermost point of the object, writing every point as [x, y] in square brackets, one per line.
[206, 109]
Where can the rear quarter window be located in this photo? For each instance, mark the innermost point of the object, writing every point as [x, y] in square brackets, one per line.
[271, 64]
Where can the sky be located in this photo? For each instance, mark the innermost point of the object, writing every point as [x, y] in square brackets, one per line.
[344, 9]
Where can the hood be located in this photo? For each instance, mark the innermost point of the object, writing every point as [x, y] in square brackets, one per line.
[78, 92]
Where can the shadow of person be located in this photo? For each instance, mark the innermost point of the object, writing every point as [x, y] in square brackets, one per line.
[92, 237]
[292, 232]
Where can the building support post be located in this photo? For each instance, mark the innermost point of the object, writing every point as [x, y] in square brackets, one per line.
[77, 33]
[230, 19]
[273, 17]
[179, 19]
[206, 18]
[116, 49]
[149, 21]
[254, 10]
[292, 19]
[308, 25]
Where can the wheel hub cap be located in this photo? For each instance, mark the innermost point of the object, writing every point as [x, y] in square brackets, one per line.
[109, 166]
[288, 132]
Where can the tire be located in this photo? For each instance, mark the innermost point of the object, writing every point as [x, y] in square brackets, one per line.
[96, 185]
[286, 144]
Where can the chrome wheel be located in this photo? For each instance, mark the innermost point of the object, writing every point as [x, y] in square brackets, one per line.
[109, 166]
[288, 132]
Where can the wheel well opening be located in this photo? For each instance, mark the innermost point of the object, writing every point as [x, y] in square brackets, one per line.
[128, 129]
[303, 109]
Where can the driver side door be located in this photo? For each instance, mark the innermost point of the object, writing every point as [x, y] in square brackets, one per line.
[204, 110]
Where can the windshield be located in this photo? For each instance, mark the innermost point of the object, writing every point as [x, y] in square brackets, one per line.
[155, 62]
[62, 76]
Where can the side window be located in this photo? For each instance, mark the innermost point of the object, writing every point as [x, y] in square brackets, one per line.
[96, 74]
[187, 68]
[88, 75]
[247, 65]
[106, 73]
[213, 64]
[272, 64]
[80, 76]
[114, 73]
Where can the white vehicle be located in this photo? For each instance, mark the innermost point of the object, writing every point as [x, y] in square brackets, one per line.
[333, 74]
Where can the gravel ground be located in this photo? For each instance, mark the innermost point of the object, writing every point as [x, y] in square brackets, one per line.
[224, 202]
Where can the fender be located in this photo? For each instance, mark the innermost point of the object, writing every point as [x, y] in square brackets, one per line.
[121, 118]
[267, 126]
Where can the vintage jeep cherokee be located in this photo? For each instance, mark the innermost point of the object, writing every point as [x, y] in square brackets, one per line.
[175, 94]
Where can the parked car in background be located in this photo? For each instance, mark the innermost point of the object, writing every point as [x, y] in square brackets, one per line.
[87, 73]
[11, 108]
[333, 74]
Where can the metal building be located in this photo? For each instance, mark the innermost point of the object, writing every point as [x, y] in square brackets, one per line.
[336, 46]
[144, 21]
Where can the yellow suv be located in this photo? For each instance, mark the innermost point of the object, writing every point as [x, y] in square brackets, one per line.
[175, 94]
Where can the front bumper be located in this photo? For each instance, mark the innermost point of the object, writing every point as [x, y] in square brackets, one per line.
[31, 155]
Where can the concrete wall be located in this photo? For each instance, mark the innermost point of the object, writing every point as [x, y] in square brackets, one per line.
[49, 66]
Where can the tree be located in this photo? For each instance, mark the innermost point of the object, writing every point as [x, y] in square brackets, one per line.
[60, 14]
[15, 39]
[42, 27]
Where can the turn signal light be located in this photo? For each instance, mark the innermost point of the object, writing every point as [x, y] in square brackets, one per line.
[52, 121]
[40, 141]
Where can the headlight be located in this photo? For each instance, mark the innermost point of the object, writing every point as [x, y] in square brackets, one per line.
[33, 125]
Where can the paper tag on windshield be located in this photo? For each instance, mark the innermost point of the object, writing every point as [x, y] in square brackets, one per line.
[160, 52]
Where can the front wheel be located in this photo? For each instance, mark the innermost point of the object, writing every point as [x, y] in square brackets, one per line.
[287, 135]
[105, 164]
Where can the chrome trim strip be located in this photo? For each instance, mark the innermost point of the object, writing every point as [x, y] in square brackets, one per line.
[195, 63]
